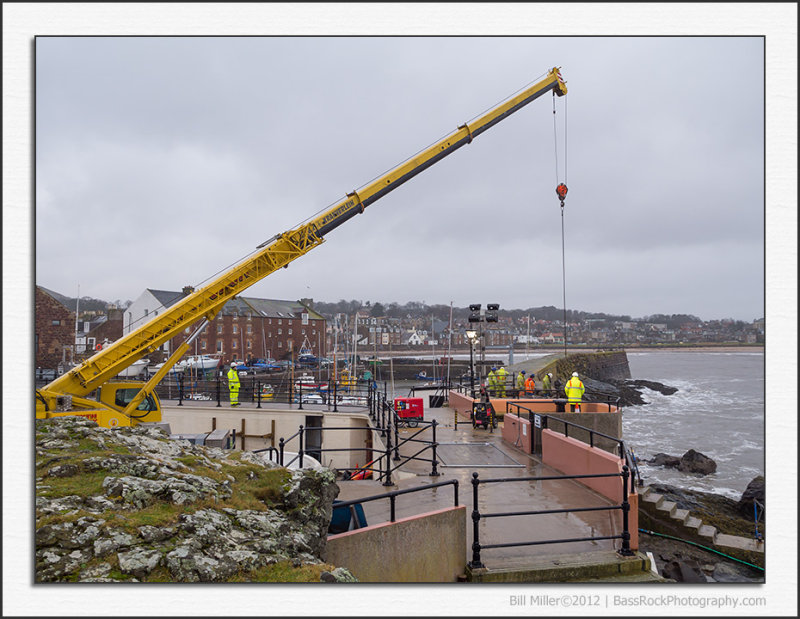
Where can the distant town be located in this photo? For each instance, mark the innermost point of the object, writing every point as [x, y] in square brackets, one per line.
[68, 330]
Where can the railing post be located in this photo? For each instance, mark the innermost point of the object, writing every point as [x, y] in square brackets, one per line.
[476, 516]
[434, 471]
[258, 397]
[392, 501]
[280, 449]
[180, 390]
[219, 394]
[388, 481]
[301, 447]
[393, 417]
[300, 397]
[335, 410]
[626, 535]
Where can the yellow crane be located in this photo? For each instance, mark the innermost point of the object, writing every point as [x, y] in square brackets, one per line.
[122, 403]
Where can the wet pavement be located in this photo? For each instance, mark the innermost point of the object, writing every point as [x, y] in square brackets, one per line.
[463, 451]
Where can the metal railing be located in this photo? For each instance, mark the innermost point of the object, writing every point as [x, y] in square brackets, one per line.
[393, 494]
[545, 421]
[258, 389]
[624, 507]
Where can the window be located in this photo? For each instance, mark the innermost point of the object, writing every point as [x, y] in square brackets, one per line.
[203, 344]
[249, 329]
[249, 344]
[280, 331]
[234, 344]
[123, 397]
[219, 345]
[280, 344]
[249, 316]
[290, 332]
[236, 315]
[219, 328]
[56, 323]
[303, 331]
[280, 321]
[235, 329]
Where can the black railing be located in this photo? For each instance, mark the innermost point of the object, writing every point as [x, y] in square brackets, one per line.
[393, 494]
[545, 421]
[624, 507]
[260, 390]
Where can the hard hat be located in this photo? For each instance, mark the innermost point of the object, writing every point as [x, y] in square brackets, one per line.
[522, 371]
[550, 374]
[494, 367]
[574, 373]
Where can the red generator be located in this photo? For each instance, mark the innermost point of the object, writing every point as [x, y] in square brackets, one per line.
[409, 411]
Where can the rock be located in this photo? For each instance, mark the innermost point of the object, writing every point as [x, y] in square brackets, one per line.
[695, 462]
[755, 491]
[662, 459]
[164, 507]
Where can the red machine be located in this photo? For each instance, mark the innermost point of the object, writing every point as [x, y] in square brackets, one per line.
[409, 411]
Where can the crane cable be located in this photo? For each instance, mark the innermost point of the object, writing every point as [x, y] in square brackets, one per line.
[561, 192]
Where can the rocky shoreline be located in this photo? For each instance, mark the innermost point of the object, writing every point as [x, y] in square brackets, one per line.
[685, 561]
[131, 505]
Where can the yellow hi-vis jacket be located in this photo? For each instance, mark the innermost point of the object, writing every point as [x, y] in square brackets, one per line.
[233, 379]
[520, 381]
[491, 378]
[574, 390]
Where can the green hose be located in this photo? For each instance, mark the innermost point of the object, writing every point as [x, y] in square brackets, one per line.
[703, 547]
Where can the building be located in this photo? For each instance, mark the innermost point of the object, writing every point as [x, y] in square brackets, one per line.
[54, 330]
[252, 328]
[92, 335]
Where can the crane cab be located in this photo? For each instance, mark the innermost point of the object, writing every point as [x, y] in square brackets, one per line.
[107, 409]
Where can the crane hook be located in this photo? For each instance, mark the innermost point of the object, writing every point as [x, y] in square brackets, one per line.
[561, 192]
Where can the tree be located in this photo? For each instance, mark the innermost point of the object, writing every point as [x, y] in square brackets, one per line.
[377, 310]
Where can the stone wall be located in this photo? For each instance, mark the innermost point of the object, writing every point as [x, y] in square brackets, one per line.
[597, 365]
[51, 338]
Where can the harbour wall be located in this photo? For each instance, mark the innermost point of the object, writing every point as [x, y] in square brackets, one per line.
[429, 547]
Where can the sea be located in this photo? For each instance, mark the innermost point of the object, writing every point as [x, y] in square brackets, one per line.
[718, 410]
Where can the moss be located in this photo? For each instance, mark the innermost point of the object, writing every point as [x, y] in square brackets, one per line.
[85, 485]
[283, 571]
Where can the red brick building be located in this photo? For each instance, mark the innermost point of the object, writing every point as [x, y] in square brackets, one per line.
[248, 327]
[54, 330]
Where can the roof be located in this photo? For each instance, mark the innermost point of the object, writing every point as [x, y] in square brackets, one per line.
[270, 308]
[167, 298]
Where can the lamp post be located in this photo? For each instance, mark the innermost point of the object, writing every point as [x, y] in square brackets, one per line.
[471, 334]
[480, 315]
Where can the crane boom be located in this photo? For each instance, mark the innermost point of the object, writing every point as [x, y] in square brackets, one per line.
[278, 252]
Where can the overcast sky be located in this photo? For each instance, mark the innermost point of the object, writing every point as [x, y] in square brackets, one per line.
[162, 161]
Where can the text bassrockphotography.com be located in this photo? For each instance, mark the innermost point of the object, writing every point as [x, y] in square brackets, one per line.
[612, 601]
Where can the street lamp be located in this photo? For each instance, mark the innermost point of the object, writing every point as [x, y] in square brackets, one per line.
[471, 335]
[480, 315]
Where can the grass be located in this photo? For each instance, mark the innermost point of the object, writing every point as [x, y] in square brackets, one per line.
[84, 484]
[283, 571]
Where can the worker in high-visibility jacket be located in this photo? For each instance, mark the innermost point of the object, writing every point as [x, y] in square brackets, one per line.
[546, 384]
[574, 390]
[491, 381]
[530, 387]
[501, 381]
[520, 383]
[233, 385]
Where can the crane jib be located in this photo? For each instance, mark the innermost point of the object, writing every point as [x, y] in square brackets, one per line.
[351, 208]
